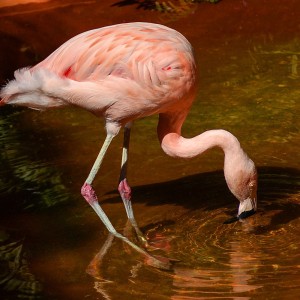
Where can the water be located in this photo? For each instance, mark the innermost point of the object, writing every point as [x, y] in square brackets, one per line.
[52, 245]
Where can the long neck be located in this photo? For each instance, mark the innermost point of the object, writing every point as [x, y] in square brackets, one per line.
[239, 169]
[236, 162]
[173, 144]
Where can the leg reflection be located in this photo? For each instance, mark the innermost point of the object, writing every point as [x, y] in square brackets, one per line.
[94, 266]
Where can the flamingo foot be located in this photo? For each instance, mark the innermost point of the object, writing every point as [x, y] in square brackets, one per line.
[128, 232]
[90, 196]
[159, 262]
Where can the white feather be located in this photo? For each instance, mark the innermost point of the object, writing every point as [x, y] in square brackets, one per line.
[34, 89]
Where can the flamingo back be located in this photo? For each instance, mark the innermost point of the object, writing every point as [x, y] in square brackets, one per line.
[121, 72]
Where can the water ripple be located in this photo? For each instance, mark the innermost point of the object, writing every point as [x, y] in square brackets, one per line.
[242, 259]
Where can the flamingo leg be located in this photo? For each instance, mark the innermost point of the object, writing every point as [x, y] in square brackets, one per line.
[124, 188]
[89, 193]
[90, 196]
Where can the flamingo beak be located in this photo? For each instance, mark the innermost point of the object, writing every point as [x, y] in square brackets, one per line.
[247, 207]
[246, 214]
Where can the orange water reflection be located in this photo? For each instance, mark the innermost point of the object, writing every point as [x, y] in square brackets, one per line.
[248, 57]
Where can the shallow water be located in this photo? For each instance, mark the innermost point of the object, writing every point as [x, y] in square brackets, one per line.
[53, 246]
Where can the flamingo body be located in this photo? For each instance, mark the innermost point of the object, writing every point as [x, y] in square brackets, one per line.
[121, 72]
[125, 72]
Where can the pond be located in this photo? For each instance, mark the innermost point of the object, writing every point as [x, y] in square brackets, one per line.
[52, 244]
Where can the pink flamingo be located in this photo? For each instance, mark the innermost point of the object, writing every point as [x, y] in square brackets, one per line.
[122, 73]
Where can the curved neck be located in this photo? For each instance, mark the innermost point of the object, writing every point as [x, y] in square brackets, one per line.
[239, 169]
[173, 144]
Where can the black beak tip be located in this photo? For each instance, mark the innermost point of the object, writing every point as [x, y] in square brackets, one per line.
[246, 214]
[243, 215]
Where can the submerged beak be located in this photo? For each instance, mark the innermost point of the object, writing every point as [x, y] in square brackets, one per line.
[247, 208]
[245, 214]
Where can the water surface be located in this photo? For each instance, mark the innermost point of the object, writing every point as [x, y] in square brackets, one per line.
[53, 246]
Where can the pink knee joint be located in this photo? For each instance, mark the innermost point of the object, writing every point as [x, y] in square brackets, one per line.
[124, 190]
[89, 193]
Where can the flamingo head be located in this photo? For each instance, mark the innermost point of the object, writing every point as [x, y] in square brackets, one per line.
[248, 206]
[242, 182]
